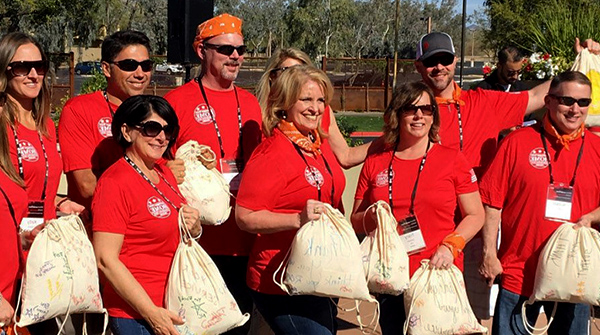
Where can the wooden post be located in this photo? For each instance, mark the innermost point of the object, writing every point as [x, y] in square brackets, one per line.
[367, 97]
[386, 82]
[71, 74]
[343, 98]
[324, 64]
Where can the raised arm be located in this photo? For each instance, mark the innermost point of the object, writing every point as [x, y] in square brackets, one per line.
[347, 156]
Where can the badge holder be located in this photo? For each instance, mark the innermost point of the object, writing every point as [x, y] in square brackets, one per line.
[411, 235]
[559, 201]
[35, 216]
[231, 173]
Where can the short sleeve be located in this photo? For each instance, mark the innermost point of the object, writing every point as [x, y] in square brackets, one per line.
[76, 142]
[465, 180]
[493, 186]
[261, 185]
[362, 187]
[508, 107]
[110, 208]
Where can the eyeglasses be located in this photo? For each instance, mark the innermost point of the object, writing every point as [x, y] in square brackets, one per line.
[153, 129]
[226, 49]
[2, 99]
[442, 58]
[569, 101]
[511, 73]
[277, 71]
[23, 68]
[427, 110]
[130, 65]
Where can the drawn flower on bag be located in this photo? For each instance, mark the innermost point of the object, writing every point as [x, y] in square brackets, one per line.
[581, 288]
[383, 269]
[419, 303]
[414, 320]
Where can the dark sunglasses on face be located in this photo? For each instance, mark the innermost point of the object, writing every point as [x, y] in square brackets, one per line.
[443, 58]
[569, 101]
[511, 73]
[226, 49]
[427, 110]
[153, 129]
[130, 65]
[23, 68]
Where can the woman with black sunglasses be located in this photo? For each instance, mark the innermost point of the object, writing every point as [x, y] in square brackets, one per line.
[422, 181]
[135, 209]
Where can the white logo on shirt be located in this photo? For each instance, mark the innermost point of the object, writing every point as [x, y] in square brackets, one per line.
[158, 208]
[202, 115]
[28, 152]
[473, 176]
[313, 175]
[537, 158]
[381, 179]
[104, 125]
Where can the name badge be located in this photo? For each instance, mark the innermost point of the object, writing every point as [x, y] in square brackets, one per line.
[559, 201]
[229, 169]
[411, 235]
[35, 216]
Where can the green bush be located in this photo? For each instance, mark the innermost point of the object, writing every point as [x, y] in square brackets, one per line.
[94, 83]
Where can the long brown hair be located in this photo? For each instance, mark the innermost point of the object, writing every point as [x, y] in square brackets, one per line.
[10, 115]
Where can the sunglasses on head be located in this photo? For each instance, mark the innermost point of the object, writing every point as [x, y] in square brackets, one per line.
[442, 58]
[427, 110]
[569, 101]
[278, 71]
[153, 129]
[23, 68]
[226, 49]
[130, 65]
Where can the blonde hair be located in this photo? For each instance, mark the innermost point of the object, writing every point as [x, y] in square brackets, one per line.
[286, 91]
[10, 115]
[404, 96]
[279, 56]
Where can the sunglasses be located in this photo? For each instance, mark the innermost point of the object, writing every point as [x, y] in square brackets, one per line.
[23, 68]
[444, 59]
[130, 65]
[511, 73]
[153, 129]
[569, 101]
[226, 49]
[427, 110]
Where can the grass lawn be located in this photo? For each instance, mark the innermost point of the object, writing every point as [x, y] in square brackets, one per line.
[354, 123]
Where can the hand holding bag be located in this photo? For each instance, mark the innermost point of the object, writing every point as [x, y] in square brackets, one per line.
[197, 292]
[204, 189]
[436, 303]
[384, 256]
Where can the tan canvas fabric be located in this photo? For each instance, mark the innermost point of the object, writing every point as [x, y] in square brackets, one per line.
[589, 64]
[204, 189]
[197, 292]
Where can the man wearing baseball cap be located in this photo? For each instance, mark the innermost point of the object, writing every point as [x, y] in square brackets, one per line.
[215, 112]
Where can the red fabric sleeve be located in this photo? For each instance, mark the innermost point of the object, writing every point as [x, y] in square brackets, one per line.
[262, 184]
[76, 143]
[465, 180]
[508, 107]
[109, 208]
[494, 183]
[362, 187]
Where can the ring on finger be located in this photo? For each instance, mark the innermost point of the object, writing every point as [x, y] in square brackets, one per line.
[316, 210]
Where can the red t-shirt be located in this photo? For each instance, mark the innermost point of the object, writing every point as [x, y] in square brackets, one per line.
[124, 203]
[85, 136]
[446, 175]
[196, 124]
[517, 182]
[277, 179]
[34, 164]
[484, 114]
[10, 242]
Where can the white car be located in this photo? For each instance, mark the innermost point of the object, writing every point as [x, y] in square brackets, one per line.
[169, 68]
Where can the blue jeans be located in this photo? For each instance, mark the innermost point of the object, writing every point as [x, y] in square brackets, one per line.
[122, 326]
[297, 315]
[392, 314]
[570, 319]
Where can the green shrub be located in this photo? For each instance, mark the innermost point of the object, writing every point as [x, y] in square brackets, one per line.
[94, 83]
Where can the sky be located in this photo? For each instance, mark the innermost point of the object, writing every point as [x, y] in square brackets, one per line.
[471, 5]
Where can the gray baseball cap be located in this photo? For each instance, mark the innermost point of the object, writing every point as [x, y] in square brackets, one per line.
[434, 43]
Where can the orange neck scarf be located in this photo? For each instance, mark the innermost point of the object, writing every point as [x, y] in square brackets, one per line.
[455, 97]
[304, 142]
[564, 140]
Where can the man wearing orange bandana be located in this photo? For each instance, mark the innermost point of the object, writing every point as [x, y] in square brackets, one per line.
[213, 111]
[535, 168]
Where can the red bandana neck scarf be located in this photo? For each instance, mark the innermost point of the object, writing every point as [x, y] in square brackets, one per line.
[304, 142]
[564, 140]
[455, 97]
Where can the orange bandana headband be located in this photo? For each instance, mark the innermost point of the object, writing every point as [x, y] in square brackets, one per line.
[218, 25]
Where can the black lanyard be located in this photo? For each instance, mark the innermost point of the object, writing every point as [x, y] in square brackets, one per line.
[141, 173]
[460, 128]
[572, 183]
[411, 209]
[315, 176]
[239, 115]
[112, 113]
[20, 160]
